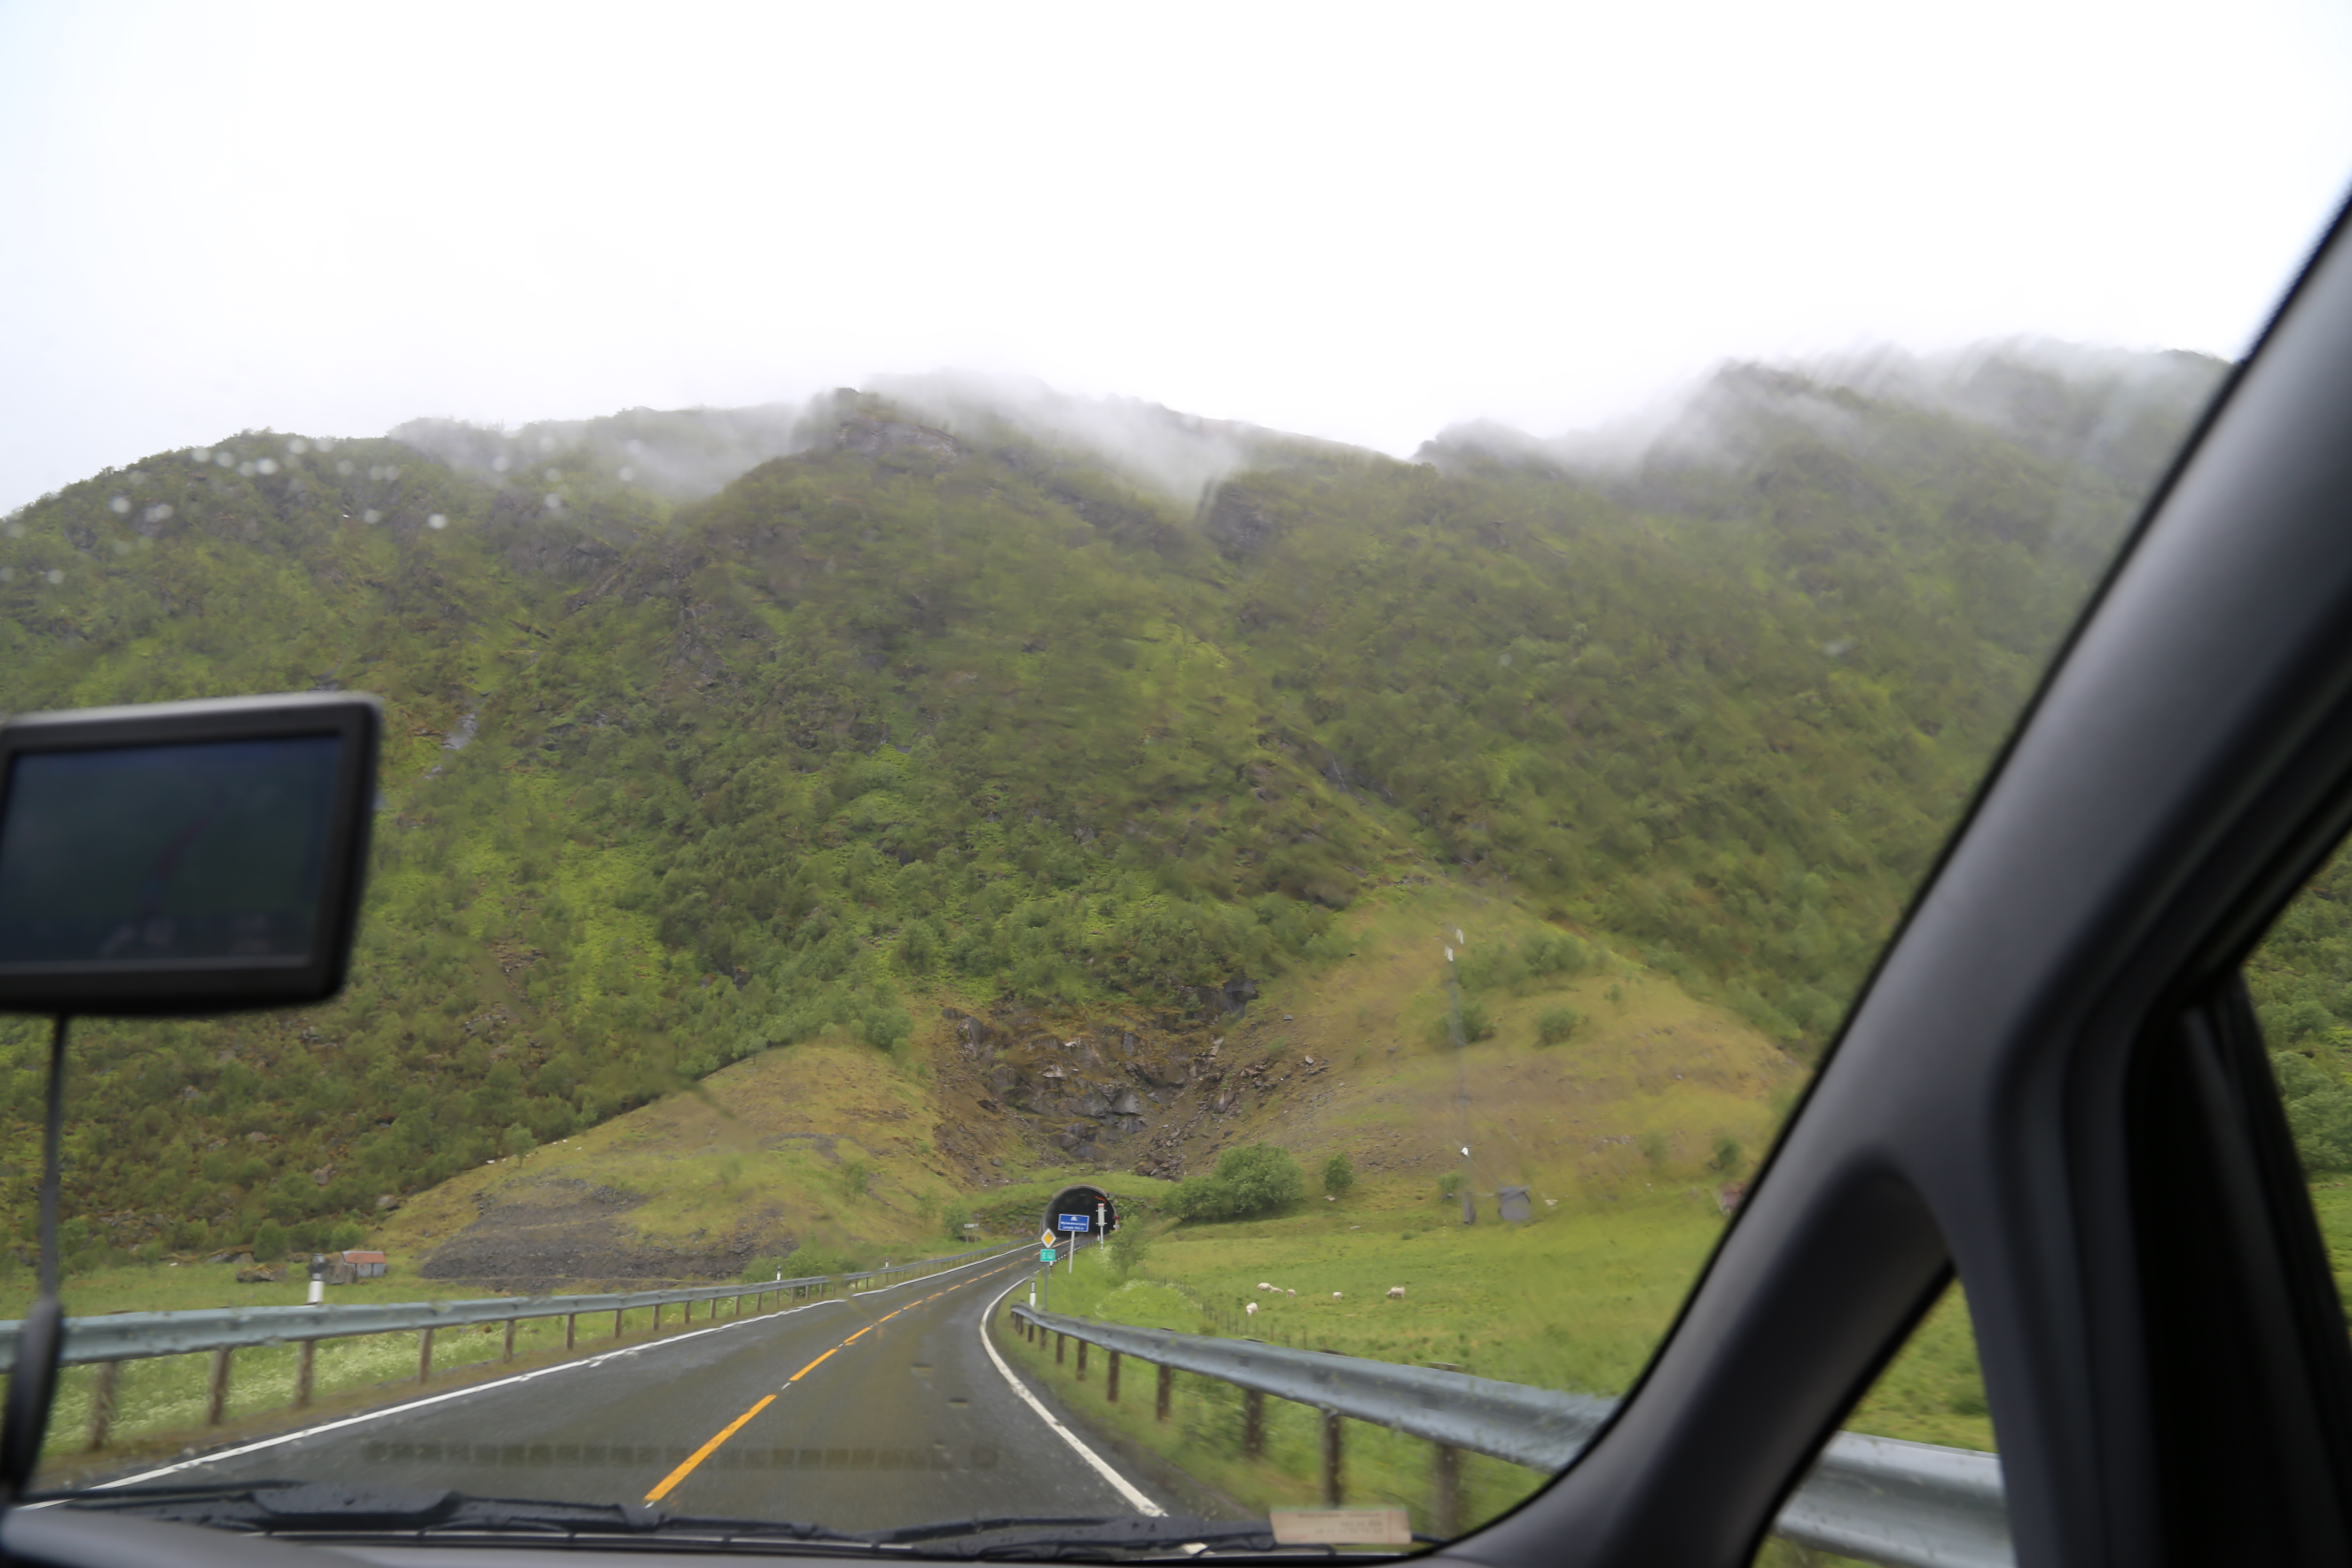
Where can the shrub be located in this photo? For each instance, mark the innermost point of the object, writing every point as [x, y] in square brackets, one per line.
[1654, 1148]
[1728, 1155]
[1130, 1246]
[519, 1141]
[1338, 1174]
[1449, 1187]
[1556, 1026]
[1258, 1180]
[270, 1242]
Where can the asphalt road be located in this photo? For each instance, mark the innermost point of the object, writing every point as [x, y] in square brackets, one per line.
[860, 1413]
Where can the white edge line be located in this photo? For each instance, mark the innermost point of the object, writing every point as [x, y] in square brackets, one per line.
[598, 1360]
[391, 1410]
[1126, 1487]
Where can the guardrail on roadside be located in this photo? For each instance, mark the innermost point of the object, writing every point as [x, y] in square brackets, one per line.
[1913, 1505]
[108, 1340]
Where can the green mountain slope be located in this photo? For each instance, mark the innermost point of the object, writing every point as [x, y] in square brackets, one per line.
[916, 717]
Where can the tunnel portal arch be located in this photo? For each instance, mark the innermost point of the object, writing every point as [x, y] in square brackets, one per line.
[1085, 1198]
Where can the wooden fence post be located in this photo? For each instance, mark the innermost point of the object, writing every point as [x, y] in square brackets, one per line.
[1111, 1380]
[510, 1332]
[571, 1330]
[1445, 1491]
[101, 1404]
[1252, 1423]
[1167, 1386]
[616, 1321]
[1082, 1361]
[1334, 1460]
[306, 1360]
[658, 1307]
[216, 1393]
[425, 1355]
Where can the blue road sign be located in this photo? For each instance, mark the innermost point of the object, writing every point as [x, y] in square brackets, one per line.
[1077, 1222]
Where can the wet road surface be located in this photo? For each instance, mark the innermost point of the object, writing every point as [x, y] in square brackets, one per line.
[859, 1413]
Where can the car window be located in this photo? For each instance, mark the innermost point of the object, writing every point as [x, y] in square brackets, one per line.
[1077, 940]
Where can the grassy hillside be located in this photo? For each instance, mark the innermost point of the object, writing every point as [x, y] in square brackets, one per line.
[916, 718]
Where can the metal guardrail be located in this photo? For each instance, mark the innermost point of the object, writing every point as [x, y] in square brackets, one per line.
[1913, 1505]
[134, 1336]
[108, 1340]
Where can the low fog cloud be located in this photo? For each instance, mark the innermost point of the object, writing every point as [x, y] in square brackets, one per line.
[2086, 403]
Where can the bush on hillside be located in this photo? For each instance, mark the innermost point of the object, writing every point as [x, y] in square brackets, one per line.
[1556, 1026]
[1338, 1174]
[2318, 1111]
[1247, 1182]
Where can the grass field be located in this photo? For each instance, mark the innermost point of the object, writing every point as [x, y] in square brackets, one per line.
[1575, 1301]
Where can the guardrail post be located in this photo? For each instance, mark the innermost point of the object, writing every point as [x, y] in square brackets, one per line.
[1111, 1380]
[1445, 1490]
[425, 1355]
[658, 1307]
[509, 1352]
[616, 1321]
[1334, 1460]
[1061, 1344]
[1167, 1387]
[1252, 1423]
[571, 1330]
[1082, 1361]
[101, 1404]
[689, 1305]
[306, 1359]
[217, 1391]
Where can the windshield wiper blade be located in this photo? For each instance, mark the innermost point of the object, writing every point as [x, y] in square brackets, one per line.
[1097, 1537]
[303, 1507]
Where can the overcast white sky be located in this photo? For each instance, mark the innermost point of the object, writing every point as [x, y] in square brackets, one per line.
[1357, 221]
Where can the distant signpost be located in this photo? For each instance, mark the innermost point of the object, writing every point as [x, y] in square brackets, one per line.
[1077, 1222]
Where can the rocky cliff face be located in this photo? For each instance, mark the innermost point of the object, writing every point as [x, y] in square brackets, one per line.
[1153, 1097]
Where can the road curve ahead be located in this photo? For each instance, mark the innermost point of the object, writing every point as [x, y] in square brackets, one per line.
[859, 1413]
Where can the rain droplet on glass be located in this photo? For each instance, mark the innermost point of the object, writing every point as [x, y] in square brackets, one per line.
[628, 474]
[437, 520]
[554, 503]
[499, 464]
[267, 465]
[345, 469]
[7, 573]
[160, 513]
[555, 475]
[56, 575]
[298, 446]
[371, 515]
[123, 547]
[202, 454]
[120, 505]
[225, 459]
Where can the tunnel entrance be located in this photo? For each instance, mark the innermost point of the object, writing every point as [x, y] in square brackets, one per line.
[1084, 1199]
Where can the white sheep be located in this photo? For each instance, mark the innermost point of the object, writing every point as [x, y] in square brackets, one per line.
[1397, 1291]
[1335, 1296]
[1290, 1292]
[1250, 1308]
[1264, 1286]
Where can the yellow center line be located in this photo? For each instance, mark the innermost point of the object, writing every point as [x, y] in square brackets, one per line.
[708, 1449]
[811, 1367]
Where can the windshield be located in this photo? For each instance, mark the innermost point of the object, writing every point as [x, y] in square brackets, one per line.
[1128, 763]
